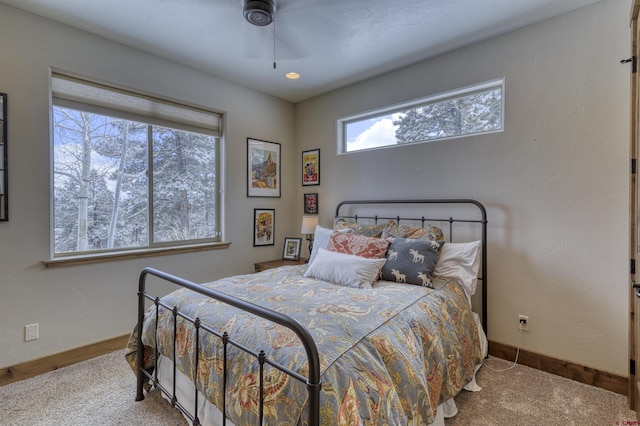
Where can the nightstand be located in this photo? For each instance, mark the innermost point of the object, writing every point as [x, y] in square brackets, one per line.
[263, 266]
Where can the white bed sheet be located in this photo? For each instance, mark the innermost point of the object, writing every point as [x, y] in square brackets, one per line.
[209, 415]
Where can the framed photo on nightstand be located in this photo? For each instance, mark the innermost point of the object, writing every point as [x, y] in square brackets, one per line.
[291, 249]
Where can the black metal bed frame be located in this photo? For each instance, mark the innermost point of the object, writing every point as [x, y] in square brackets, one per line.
[313, 381]
[422, 220]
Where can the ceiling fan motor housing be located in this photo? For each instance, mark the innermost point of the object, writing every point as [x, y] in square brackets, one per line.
[259, 12]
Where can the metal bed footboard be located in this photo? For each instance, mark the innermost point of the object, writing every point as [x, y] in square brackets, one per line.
[313, 381]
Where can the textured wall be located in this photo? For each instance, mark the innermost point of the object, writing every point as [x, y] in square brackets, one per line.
[555, 182]
[79, 305]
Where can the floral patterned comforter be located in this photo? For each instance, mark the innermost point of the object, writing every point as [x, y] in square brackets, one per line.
[388, 355]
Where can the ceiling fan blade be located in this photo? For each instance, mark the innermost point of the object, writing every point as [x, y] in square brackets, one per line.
[253, 41]
[288, 45]
[330, 17]
[258, 43]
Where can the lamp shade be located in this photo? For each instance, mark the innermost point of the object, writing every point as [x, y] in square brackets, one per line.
[309, 224]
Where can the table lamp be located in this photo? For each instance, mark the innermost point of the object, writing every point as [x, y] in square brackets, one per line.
[309, 224]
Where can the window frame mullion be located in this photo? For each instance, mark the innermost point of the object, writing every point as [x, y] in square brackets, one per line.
[150, 210]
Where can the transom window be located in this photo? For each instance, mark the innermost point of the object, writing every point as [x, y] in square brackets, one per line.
[130, 171]
[463, 112]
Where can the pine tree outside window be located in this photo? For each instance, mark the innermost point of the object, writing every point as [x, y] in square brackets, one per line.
[130, 171]
[462, 112]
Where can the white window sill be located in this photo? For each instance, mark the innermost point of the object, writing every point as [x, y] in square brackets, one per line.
[136, 254]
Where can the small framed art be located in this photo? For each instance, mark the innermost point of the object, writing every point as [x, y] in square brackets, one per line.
[311, 203]
[264, 222]
[263, 168]
[292, 248]
[311, 167]
[4, 173]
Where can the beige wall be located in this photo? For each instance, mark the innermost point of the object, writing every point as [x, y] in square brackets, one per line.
[555, 182]
[76, 306]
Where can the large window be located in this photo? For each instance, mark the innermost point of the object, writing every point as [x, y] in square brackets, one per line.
[462, 112]
[129, 171]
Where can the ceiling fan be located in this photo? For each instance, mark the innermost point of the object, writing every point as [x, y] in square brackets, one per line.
[259, 12]
[299, 22]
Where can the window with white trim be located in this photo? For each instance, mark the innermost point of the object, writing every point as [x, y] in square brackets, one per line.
[131, 171]
[462, 112]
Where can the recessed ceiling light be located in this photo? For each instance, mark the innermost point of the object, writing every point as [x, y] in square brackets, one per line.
[292, 75]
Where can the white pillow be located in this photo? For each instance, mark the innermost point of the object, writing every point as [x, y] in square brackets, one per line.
[320, 240]
[460, 261]
[345, 269]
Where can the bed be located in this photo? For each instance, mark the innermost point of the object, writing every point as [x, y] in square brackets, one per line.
[363, 334]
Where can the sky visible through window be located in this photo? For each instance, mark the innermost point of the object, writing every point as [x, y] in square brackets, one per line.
[371, 133]
[458, 113]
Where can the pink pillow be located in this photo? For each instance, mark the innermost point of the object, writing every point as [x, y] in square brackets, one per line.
[359, 245]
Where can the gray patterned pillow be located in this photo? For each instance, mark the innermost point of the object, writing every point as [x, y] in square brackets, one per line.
[368, 230]
[430, 232]
[411, 261]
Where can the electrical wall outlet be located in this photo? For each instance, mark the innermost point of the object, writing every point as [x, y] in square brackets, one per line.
[523, 323]
[31, 332]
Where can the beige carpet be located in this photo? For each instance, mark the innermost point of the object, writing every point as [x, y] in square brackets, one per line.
[101, 391]
[524, 396]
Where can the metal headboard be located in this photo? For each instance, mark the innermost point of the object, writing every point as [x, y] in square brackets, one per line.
[482, 221]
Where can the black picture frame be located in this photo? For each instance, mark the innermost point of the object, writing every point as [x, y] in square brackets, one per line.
[264, 223]
[4, 161]
[311, 203]
[311, 167]
[263, 168]
[291, 249]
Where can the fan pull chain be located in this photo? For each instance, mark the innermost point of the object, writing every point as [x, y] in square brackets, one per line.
[274, 44]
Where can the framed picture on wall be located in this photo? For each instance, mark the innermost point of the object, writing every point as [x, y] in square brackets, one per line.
[263, 168]
[291, 249]
[311, 167]
[311, 203]
[4, 173]
[264, 222]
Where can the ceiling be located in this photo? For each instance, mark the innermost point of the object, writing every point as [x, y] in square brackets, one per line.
[330, 43]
